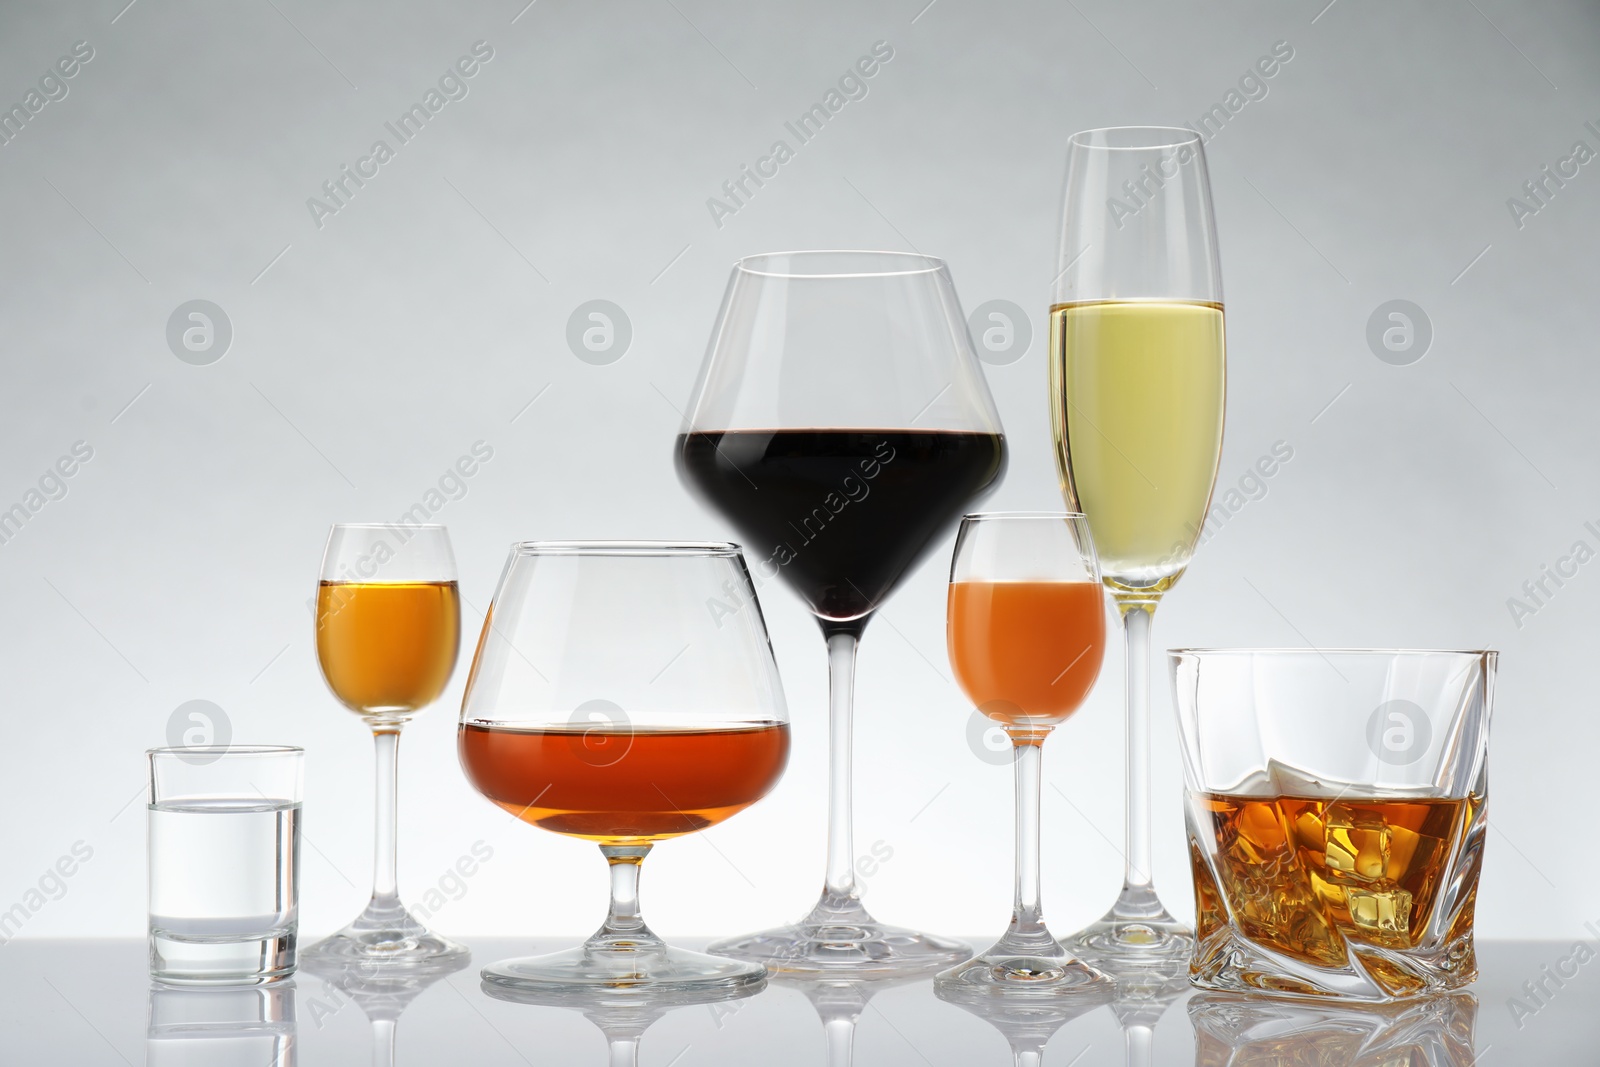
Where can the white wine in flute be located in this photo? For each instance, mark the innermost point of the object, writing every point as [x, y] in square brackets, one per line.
[1137, 390]
[1137, 387]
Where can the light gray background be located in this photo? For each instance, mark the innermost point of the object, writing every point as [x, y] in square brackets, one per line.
[431, 311]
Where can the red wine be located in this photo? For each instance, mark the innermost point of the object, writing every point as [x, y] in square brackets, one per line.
[841, 515]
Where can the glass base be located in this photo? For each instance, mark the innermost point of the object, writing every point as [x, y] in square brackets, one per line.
[385, 934]
[1137, 937]
[199, 961]
[1230, 962]
[1037, 968]
[643, 969]
[840, 939]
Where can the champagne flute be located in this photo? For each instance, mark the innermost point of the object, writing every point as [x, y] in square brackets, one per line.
[611, 701]
[388, 632]
[1137, 371]
[842, 424]
[1027, 633]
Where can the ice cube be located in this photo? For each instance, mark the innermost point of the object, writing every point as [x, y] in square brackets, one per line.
[1357, 842]
[1254, 784]
[1404, 846]
[1308, 829]
[1261, 833]
[1291, 781]
[1382, 911]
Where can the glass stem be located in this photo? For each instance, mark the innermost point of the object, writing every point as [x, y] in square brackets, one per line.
[1136, 619]
[624, 1051]
[382, 1042]
[1138, 1045]
[840, 1035]
[385, 860]
[841, 881]
[1026, 915]
[623, 920]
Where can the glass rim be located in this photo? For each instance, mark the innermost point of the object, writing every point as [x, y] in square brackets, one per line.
[189, 751]
[928, 264]
[989, 516]
[387, 526]
[704, 549]
[1180, 136]
[1475, 653]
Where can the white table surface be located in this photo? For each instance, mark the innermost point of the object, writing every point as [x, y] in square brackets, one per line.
[89, 1002]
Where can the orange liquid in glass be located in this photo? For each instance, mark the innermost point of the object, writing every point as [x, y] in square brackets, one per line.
[626, 785]
[1027, 653]
[387, 648]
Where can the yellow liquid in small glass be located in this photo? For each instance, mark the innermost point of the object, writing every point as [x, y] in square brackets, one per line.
[1136, 391]
[387, 649]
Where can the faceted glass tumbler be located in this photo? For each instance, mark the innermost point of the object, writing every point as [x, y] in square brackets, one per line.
[1336, 817]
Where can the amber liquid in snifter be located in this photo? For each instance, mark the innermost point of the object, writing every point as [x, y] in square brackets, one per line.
[1315, 878]
[624, 786]
[387, 648]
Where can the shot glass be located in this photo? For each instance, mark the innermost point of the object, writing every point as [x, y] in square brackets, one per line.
[1336, 816]
[224, 838]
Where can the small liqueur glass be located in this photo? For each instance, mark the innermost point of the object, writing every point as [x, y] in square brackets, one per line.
[388, 617]
[1027, 634]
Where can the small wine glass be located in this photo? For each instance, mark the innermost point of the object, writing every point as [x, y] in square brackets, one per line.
[1027, 633]
[624, 693]
[388, 633]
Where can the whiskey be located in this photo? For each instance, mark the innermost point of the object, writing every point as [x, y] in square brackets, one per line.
[626, 785]
[1318, 879]
[387, 648]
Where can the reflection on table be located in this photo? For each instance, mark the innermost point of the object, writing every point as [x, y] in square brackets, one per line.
[839, 1003]
[223, 1027]
[74, 1001]
[1027, 1024]
[1141, 1001]
[1245, 1031]
[381, 992]
[622, 1015]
